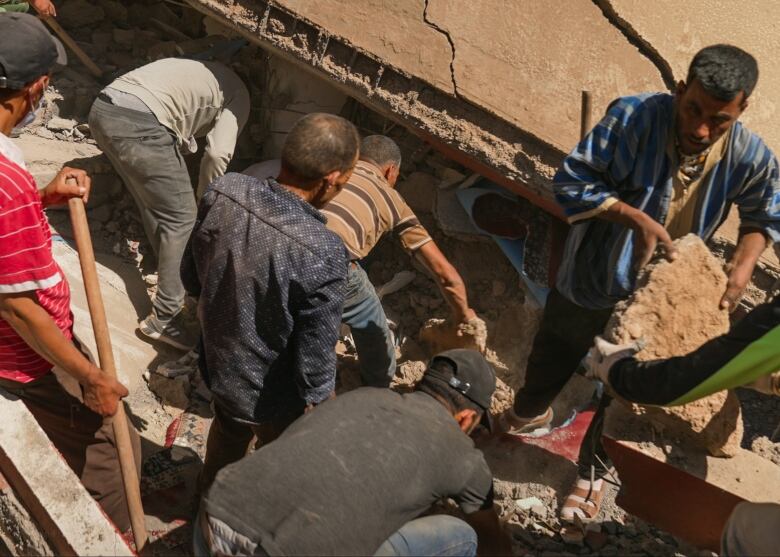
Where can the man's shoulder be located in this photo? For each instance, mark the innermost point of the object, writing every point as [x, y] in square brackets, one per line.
[633, 106]
[17, 187]
[749, 147]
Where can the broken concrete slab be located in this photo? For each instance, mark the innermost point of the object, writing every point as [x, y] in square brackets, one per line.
[528, 61]
[62, 509]
[674, 310]
[126, 301]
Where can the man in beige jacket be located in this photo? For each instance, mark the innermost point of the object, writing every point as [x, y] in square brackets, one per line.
[145, 121]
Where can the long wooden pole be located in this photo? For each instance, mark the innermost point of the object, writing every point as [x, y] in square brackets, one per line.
[71, 44]
[78, 219]
[586, 113]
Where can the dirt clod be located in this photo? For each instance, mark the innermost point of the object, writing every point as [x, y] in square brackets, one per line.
[675, 310]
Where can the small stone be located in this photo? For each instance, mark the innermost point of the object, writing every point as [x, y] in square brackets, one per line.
[499, 287]
[528, 503]
[44, 133]
[611, 528]
[539, 510]
[79, 13]
[61, 124]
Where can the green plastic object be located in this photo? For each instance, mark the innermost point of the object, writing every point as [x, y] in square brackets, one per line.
[760, 358]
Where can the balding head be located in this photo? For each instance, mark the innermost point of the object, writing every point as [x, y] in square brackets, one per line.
[319, 144]
[318, 156]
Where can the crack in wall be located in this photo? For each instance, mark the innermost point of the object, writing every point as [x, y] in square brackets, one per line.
[452, 47]
[645, 48]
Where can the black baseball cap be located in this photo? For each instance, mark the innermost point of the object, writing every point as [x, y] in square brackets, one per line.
[27, 50]
[469, 373]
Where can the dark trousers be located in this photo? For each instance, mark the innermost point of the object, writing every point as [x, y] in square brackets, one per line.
[564, 338]
[145, 155]
[229, 440]
[86, 443]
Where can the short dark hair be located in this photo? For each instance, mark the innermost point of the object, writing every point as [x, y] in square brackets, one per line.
[318, 144]
[724, 71]
[381, 149]
[457, 402]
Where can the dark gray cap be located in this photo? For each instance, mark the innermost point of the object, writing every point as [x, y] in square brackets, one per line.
[469, 373]
[27, 50]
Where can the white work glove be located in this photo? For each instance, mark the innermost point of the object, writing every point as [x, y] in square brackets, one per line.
[603, 355]
[768, 384]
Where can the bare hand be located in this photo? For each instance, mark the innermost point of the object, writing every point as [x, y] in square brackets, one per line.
[739, 277]
[69, 182]
[102, 393]
[475, 329]
[647, 234]
[44, 7]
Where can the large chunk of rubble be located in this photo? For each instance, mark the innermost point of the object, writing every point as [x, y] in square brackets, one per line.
[675, 310]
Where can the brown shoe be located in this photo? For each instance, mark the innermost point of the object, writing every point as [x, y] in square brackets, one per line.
[511, 423]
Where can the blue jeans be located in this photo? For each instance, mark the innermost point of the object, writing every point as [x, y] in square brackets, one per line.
[432, 535]
[373, 340]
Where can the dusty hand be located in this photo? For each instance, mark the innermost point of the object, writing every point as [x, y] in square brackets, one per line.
[44, 7]
[739, 277]
[647, 234]
[603, 355]
[69, 182]
[102, 393]
[475, 329]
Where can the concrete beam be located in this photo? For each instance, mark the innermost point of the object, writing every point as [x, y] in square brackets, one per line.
[60, 509]
[485, 142]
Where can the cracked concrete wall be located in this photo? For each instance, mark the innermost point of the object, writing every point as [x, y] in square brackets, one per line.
[393, 30]
[526, 61]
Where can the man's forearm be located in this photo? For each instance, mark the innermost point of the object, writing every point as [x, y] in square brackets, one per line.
[752, 243]
[36, 327]
[447, 278]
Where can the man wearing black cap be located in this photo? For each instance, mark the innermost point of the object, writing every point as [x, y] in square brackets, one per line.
[355, 476]
[36, 324]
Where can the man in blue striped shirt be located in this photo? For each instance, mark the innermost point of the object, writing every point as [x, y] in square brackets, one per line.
[655, 168]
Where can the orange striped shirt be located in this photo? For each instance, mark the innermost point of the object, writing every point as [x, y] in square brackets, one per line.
[368, 207]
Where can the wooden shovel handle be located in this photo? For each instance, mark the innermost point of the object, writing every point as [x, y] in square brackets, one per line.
[78, 219]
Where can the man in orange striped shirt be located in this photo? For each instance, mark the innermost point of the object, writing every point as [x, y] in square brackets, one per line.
[366, 209]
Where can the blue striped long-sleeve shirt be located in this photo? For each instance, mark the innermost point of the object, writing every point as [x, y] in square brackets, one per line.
[625, 157]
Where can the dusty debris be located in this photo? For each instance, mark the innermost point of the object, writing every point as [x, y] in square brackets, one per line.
[675, 309]
[440, 335]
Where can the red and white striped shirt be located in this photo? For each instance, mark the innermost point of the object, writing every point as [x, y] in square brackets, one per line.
[27, 265]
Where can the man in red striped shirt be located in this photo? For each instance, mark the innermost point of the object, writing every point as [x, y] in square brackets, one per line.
[36, 324]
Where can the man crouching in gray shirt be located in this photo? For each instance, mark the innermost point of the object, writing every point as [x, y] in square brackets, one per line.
[355, 476]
